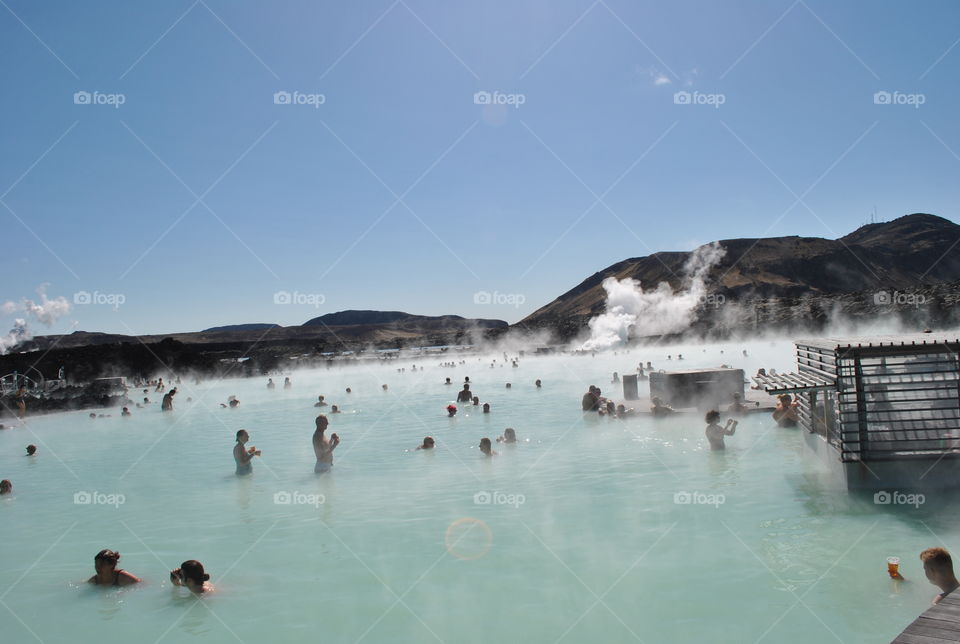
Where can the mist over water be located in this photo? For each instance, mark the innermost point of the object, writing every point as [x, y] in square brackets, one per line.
[635, 312]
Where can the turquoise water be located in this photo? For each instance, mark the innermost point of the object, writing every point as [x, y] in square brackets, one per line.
[586, 539]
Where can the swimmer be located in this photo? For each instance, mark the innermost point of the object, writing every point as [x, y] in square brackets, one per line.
[349, 391]
[384, 387]
[659, 409]
[737, 408]
[464, 395]
[715, 432]
[538, 383]
[270, 384]
[448, 382]
[320, 402]
[31, 450]
[509, 385]
[286, 383]
[92, 415]
[6, 487]
[428, 443]
[233, 402]
[786, 413]
[334, 410]
[476, 401]
[191, 575]
[167, 403]
[243, 455]
[323, 447]
[451, 410]
[125, 412]
[487, 447]
[486, 408]
[591, 399]
[938, 567]
[509, 436]
[108, 574]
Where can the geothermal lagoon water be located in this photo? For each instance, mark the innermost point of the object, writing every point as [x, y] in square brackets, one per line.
[590, 529]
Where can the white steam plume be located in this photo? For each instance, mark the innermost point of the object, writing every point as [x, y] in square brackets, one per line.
[47, 312]
[653, 312]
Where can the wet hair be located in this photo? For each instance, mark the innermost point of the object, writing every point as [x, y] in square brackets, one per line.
[31, 449]
[240, 431]
[109, 556]
[712, 416]
[193, 570]
[937, 559]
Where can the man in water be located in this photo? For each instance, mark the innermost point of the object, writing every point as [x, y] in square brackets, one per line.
[591, 399]
[167, 403]
[242, 455]
[715, 432]
[465, 395]
[320, 402]
[938, 566]
[659, 409]
[270, 383]
[428, 443]
[6, 487]
[486, 408]
[323, 447]
[31, 450]
[786, 413]
[487, 447]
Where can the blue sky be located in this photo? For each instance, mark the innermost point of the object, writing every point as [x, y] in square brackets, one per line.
[199, 198]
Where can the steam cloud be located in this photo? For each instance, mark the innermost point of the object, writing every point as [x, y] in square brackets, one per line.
[47, 312]
[631, 310]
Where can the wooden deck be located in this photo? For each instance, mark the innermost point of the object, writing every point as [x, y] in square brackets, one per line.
[940, 623]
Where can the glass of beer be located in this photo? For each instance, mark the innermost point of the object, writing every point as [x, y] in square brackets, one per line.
[893, 566]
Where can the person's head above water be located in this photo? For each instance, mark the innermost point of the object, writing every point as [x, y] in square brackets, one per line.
[106, 559]
[486, 446]
[509, 435]
[451, 410]
[428, 442]
[713, 416]
[938, 567]
[190, 574]
[486, 408]
[31, 449]
[6, 487]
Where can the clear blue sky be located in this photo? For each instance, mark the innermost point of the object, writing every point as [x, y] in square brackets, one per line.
[501, 199]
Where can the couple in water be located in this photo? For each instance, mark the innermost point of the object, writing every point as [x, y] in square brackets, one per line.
[190, 574]
[322, 446]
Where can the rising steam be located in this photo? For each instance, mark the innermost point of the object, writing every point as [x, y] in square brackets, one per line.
[47, 312]
[633, 311]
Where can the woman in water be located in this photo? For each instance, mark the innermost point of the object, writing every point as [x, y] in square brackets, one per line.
[509, 436]
[6, 487]
[243, 455]
[487, 447]
[715, 432]
[108, 574]
[323, 447]
[191, 575]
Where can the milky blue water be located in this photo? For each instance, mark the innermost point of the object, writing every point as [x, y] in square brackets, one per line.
[586, 536]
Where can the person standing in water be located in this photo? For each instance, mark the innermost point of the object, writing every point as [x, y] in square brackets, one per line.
[486, 447]
[323, 447]
[167, 403]
[465, 395]
[242, 455]
[108, 574]
[715, 432]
